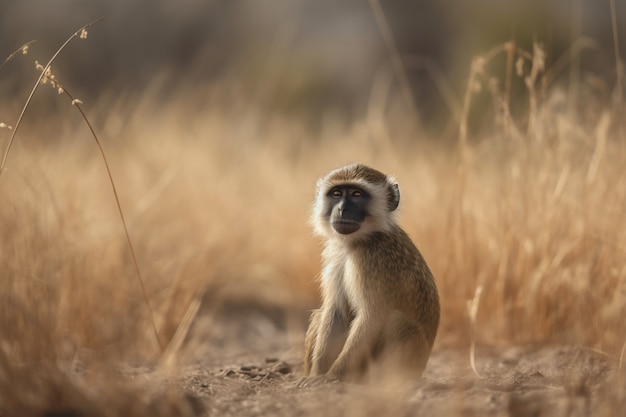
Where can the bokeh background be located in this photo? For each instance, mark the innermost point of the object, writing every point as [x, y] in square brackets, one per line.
[306, 59]
[503, 123]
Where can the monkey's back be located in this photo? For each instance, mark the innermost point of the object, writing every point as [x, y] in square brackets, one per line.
[393, 267]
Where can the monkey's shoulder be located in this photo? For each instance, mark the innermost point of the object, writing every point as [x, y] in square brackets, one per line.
[391, 254]
[394, 244]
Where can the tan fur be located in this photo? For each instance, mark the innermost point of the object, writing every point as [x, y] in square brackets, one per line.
[380, 304]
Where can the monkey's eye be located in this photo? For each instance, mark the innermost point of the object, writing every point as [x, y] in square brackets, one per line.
[357, 193]
[336, 193]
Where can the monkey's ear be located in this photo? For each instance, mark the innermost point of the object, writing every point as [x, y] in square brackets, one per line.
[393, 197]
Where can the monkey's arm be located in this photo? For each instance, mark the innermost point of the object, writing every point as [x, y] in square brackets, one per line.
[325, 338]
[332, 331]
[309, 341]
[363, 333]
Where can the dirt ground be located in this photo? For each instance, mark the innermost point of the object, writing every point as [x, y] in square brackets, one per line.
[250, 364]
[245, 361]
[563, 381]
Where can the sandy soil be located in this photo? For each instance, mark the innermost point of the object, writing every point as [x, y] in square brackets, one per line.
[550, 381]
[251, 366]
[245, 362]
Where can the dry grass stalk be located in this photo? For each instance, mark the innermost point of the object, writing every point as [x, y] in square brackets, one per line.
[21, 50]
[619, 65]
[45, 77]
[396, 60]
[472, 310]
[168, 359]
[44, 71]
[537, 67]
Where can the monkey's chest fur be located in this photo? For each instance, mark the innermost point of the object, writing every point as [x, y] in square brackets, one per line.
[379, 277]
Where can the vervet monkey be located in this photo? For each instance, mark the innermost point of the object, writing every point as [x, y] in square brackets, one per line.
[380, 306]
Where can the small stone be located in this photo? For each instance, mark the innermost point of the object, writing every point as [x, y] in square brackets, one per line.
[281, 367]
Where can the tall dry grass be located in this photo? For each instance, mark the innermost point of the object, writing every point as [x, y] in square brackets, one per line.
[532, 212]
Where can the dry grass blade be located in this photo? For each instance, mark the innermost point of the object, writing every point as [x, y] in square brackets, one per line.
[76, 102]
[396, 61]
[472, 310]
[618, 61]
[22, 49]
[566, 58]
[78, 33]
[477, 68]
[82, 33]
[441, 82]
[168, 359]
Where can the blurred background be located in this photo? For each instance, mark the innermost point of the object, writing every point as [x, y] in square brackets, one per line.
[307, 59]
[501, 119]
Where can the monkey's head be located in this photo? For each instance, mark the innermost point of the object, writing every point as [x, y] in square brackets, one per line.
[355, 200]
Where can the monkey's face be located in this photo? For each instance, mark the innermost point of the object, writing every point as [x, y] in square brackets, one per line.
[353, 202]
[346, 208]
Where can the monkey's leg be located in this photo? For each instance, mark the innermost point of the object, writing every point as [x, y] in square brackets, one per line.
[405, 352]
[331, 336]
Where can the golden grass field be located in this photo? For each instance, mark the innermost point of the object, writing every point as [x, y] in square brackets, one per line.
[531, 211]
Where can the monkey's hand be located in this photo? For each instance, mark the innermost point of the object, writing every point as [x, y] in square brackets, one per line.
[316, 380]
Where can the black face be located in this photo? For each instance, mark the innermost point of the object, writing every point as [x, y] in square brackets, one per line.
[347, 208]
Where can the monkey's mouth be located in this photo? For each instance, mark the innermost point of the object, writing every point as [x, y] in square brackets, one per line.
[345, 227]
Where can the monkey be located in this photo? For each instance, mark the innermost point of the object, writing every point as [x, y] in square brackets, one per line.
[380, 306]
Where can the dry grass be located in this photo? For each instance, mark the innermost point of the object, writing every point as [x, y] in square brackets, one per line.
[217, 203]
